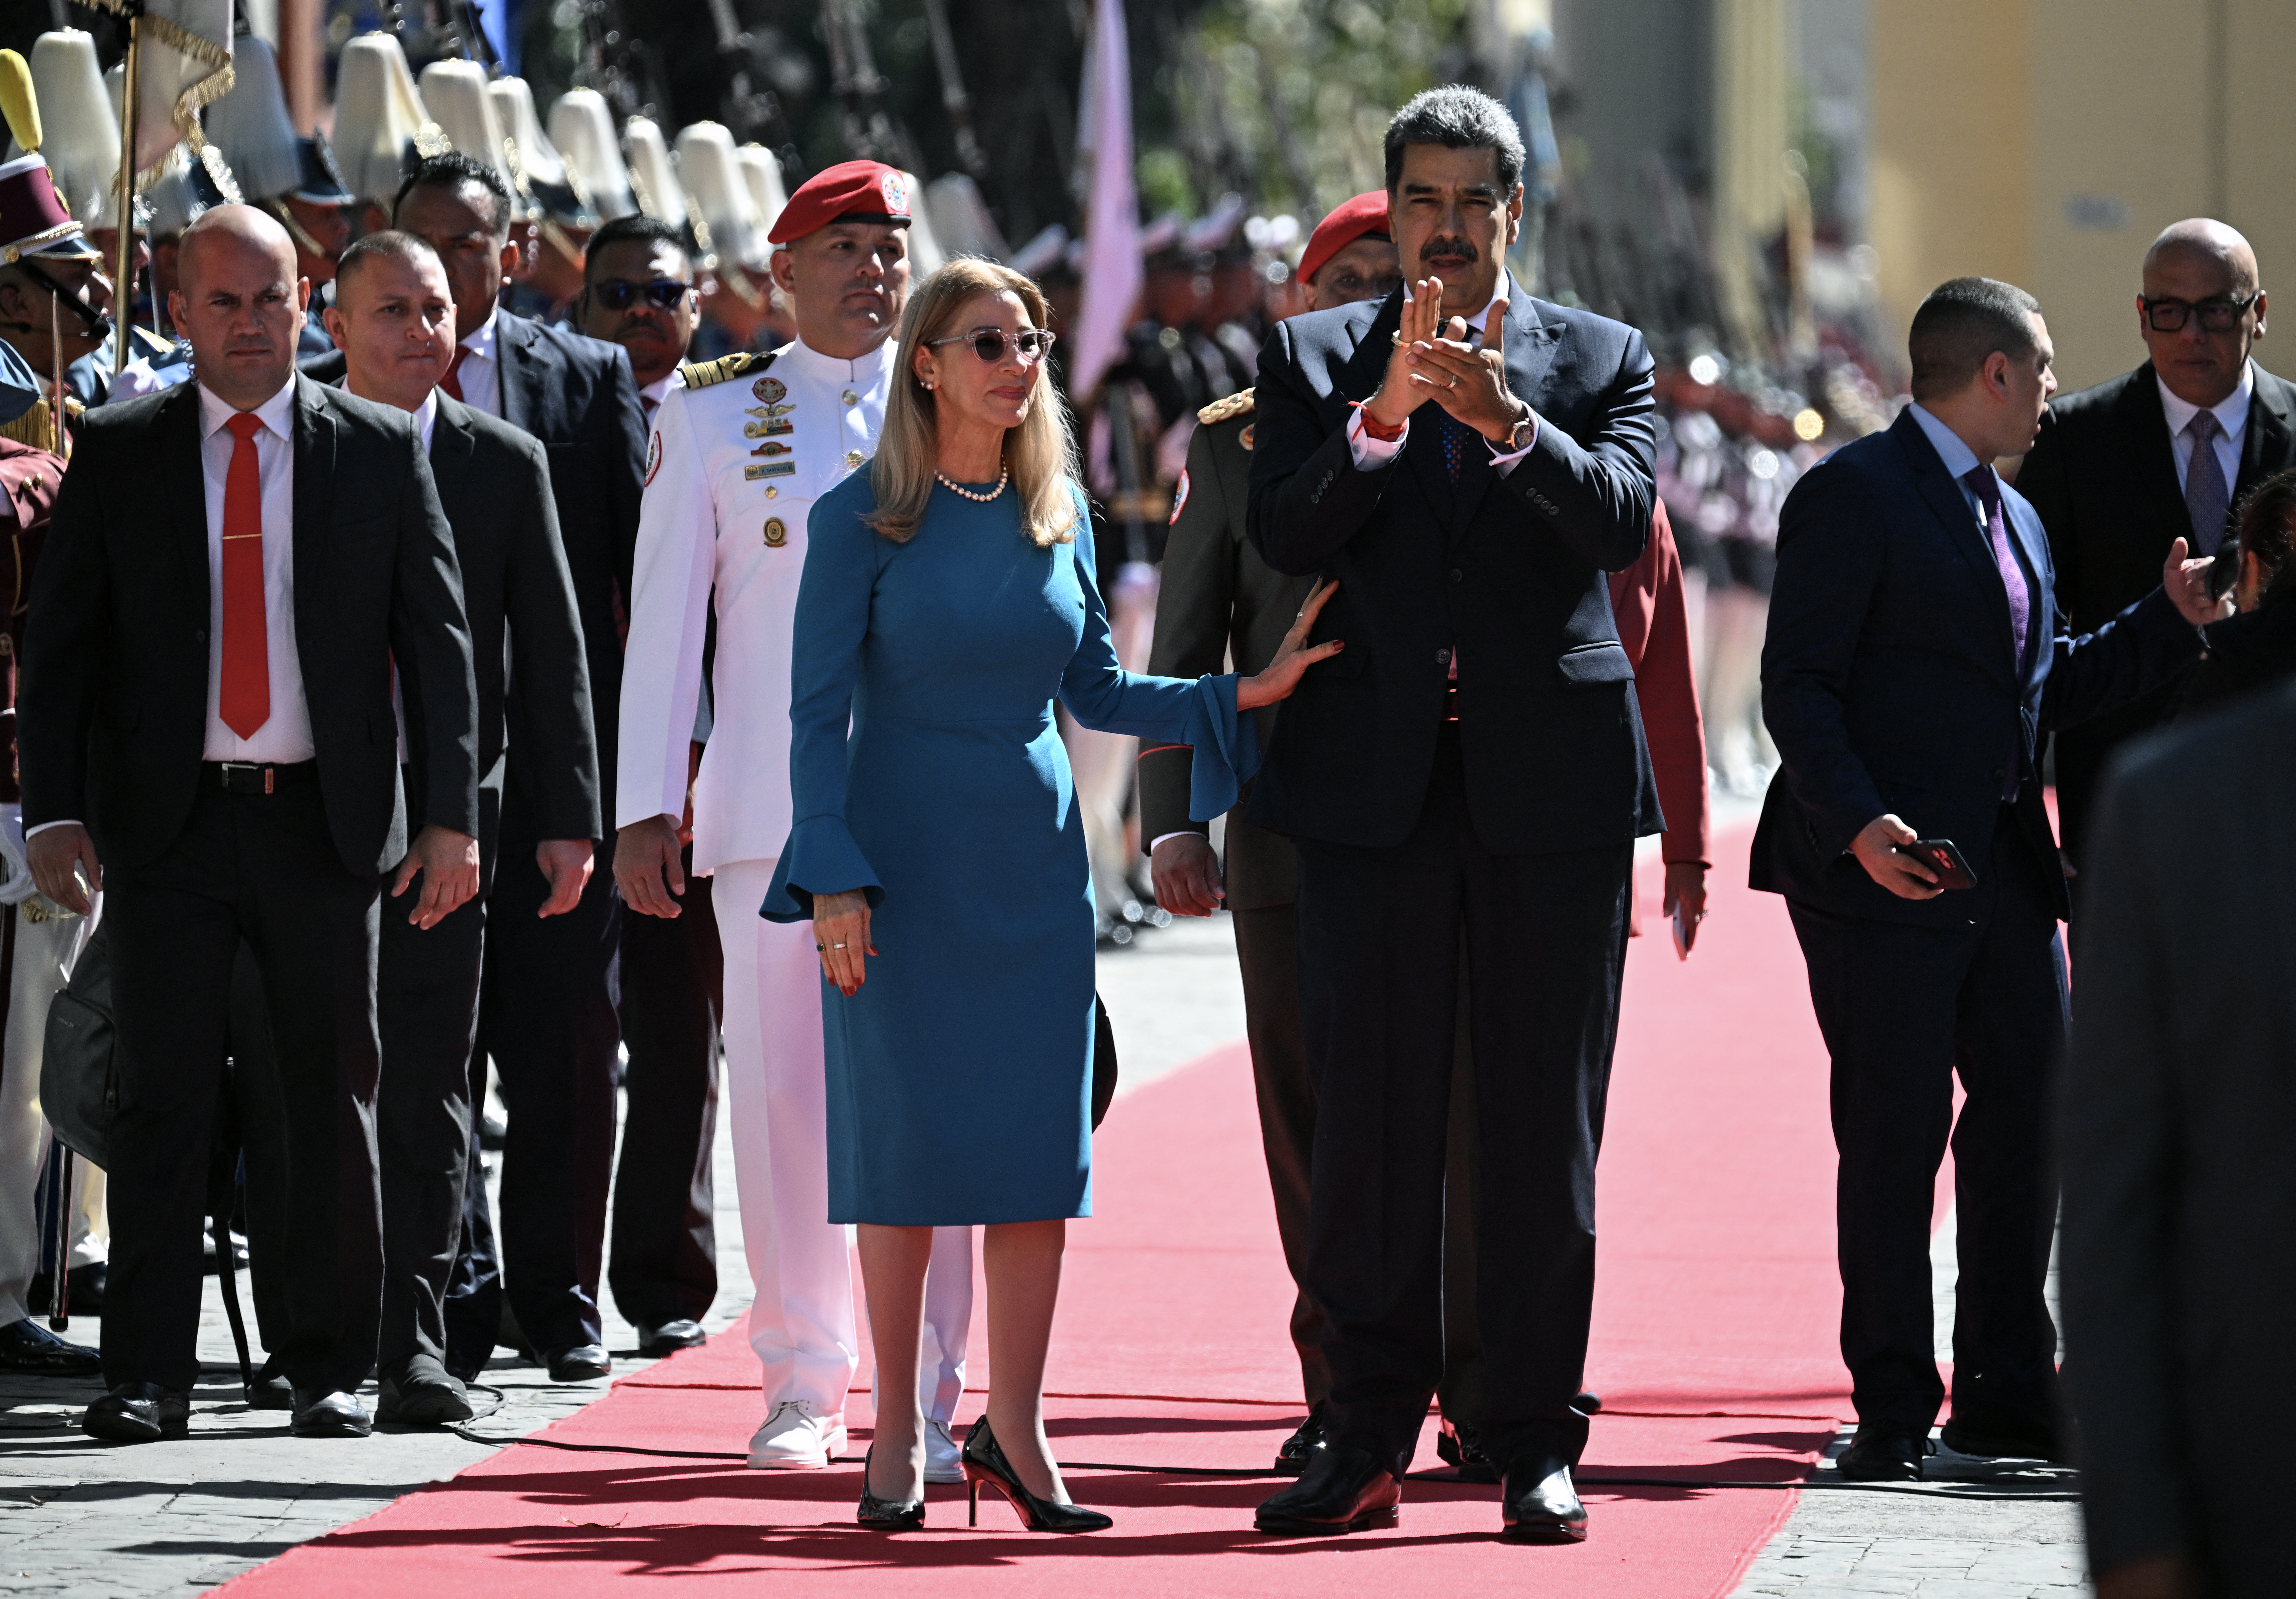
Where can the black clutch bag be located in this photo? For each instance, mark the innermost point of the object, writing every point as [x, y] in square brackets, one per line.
[79, 1073]
[1103, 1062]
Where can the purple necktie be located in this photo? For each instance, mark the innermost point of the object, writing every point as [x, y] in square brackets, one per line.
[2206, 499]
[1982, 482]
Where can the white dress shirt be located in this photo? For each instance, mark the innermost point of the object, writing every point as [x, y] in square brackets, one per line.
[286, 736]
[1371, 454]
[652, 396]
[2231, 426]
[479, 377]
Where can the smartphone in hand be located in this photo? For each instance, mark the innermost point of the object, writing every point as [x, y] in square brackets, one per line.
[1940, 857]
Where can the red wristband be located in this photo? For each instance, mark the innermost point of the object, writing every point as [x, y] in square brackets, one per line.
[1372, 426]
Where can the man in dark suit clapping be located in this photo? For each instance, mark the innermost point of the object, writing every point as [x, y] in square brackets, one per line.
[547, 1015]
[1915, 654]
[394, 319]
[1473, 757]
[2116, 474]
[207, 700]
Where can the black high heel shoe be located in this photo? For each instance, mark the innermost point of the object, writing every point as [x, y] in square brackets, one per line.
[984, 1462]
[883, 1515]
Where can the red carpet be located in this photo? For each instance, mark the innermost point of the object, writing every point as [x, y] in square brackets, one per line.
[1713, 1349]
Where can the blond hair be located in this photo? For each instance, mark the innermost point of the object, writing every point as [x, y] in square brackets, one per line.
[1040, 451]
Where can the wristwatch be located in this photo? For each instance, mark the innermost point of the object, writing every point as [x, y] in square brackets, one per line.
[1520, 436]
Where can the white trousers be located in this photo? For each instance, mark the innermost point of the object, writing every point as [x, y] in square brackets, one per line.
[801, 1324]
[45, 950]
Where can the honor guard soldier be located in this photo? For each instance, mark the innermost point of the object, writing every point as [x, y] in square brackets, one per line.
[737, 454]
[1218, 597]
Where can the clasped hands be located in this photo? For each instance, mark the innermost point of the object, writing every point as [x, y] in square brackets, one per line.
[1432, 360]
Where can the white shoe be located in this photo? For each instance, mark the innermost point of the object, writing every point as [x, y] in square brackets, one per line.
[941, 1454]
[797, 1438]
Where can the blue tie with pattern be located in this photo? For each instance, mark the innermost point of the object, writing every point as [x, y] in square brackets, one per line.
[2206, 498]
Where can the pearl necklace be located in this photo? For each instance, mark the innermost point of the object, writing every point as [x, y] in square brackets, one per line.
[1003, 474]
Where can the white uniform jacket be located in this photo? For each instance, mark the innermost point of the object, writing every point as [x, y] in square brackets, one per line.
[739, 453]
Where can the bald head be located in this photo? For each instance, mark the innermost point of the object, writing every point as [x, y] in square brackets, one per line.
[2201, 309]
[239, 302]
[2208, 240]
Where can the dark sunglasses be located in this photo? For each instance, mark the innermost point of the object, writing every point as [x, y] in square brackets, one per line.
[620, 294]
[991, 343]
[2167, 313]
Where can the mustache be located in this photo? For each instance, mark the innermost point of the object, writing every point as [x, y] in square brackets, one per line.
[1451, 245]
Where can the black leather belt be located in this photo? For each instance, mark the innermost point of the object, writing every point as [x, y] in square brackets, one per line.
[253, 777]
[1450, 701]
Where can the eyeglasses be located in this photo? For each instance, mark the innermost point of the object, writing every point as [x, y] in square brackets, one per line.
[2167, 313]
[991, 343]
[620, 294]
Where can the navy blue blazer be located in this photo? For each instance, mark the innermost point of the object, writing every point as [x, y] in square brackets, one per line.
[1888, 681]
[1510, 571]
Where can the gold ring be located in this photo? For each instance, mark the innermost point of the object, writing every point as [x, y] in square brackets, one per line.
[837, 946]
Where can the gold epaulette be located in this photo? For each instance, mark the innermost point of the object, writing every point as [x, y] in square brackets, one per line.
[32, 427]
[701, 374]
[1224, 410]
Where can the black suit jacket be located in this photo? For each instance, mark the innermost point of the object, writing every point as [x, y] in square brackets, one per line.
[1889, 685]
[1506, 571]
[1218, 600]
[576, 396]
[2104, 478]
[2179, 1242]
[494, 484]
[115, 684]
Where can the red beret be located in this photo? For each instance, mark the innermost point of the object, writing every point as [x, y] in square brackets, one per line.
[850, 191]
[1364, 214]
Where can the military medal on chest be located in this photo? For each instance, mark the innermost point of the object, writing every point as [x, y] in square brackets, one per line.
[776, 534]
[772, 424]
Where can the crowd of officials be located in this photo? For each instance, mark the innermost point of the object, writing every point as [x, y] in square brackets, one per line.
[516, 692]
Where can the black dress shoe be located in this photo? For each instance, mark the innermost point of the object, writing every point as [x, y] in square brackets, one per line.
[26, 1346]
[330, 1413]
[1585, 1404]
[269, 1390]
[1461, 1444]
[888, 1515]
[578, 1363]
[1538, 1505]
[421, 1394]
[1883, 1454]
[138, 1412]
[1344, 1490]
[985, 1465]
[667, 1338]
[2014, 1441]
[1299, 1449]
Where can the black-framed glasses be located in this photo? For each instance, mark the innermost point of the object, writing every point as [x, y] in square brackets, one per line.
[991, 343]
[620, 294]
[2165, 314]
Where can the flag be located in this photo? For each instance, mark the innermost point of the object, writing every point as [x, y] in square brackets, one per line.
[1112, 277]
[183, 61]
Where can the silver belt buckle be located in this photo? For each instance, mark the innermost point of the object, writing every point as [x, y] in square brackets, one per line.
[229, 767]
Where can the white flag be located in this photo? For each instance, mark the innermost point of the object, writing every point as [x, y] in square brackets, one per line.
[1112, 276]
[183, 61]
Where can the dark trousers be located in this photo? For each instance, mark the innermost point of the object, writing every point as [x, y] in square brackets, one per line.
[1267, 951]
[1380, 971]
[662, 1263]
[428, 997]
[546, 1019]
[262, 868]
[1903, 1009]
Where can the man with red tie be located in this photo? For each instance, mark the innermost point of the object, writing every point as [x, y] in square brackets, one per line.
[207, 733]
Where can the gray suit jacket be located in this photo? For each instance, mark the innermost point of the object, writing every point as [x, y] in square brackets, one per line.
[2179, 1241]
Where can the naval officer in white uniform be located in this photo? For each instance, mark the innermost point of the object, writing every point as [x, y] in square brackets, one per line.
[739, 452]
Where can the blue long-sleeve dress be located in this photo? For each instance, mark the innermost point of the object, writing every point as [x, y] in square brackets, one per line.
[960, 1076]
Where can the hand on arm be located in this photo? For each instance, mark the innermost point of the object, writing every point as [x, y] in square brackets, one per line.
[2187, 586]
[566, 864]
[1187, 874]
[1875, 847]
[1292, 657]
[645, 859]
[448, 863]
[55, 855]
[840, 927]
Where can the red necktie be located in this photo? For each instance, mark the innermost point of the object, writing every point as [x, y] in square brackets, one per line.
[244, 701]
[453, 381]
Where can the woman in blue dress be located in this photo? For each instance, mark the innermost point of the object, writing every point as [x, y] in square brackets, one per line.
[947, 600]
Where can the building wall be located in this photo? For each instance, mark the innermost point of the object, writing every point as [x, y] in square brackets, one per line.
[2047, 141]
